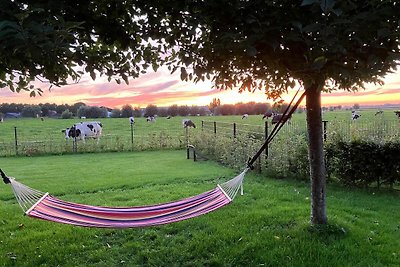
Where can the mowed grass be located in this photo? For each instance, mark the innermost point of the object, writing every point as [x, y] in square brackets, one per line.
[268, 226]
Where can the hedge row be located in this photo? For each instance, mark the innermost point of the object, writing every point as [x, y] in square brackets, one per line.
[361, 163]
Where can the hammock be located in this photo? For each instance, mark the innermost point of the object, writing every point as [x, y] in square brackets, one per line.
[43, 206]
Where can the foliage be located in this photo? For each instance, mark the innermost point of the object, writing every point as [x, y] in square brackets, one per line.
[151, 110]
[92, 112]
[30, 111]
[66, 114]
[115, 113]
[361, 163]
[126, 111]
[56, 41]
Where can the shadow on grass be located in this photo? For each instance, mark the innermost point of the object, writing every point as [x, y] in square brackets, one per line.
[327, 233]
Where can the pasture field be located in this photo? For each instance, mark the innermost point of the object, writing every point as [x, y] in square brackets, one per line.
[268, 226]
[45, 137]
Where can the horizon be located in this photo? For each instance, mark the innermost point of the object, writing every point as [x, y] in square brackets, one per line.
[163, 89]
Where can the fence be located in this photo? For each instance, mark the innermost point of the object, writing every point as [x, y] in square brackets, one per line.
[287, 155]
[23, 142]
[378, 131]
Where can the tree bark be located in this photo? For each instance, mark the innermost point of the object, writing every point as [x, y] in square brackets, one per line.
[316, 154]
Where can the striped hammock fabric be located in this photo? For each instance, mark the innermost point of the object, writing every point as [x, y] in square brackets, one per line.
[44, 206]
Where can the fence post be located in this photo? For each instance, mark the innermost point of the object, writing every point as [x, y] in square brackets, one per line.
[324, 127]
[215, 127]
[131, 136]
[74, 143]
[202, 125]
[234, 130]
[265, 137]
[16, 140]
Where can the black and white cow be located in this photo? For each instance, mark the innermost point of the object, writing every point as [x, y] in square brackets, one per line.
[151, 119]
[397, 113]
[84, 130]
[188, 123]
[277, 117]
[355, 115]
[379, 112]
[245, 116]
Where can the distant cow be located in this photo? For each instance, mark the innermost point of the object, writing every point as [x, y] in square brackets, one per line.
[397, 114]
[131, 120]
[268, 114]
[355, 115]
[84, 130]
[245, 116]
[379, 112]
[188, 123]
[151, 119]
[277, 117]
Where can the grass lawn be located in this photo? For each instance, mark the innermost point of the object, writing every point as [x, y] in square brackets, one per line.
[268, 226]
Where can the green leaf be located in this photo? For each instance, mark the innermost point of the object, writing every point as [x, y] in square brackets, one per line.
[183, 74]
[251, 51]
[93, 75]
[319, 62]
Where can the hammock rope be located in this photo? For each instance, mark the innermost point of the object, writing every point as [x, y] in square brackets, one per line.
[43, 206]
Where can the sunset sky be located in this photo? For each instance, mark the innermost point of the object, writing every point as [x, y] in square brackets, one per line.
[163, 89]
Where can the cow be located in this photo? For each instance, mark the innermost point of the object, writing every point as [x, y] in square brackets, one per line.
[397, 113]
[277, 117]
[379, 112]
[268, 114]
[131, 120]
[355, 115]
[245, 116]
[151, 119]
[188, 123]
[84, 130]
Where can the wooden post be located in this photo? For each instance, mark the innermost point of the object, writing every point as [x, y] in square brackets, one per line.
[16, 140]
[265, 137]
[324, 126]
[131, 136]
[215, 127]
[234, 130]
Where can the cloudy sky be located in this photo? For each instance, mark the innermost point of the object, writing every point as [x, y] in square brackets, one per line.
[163, 89]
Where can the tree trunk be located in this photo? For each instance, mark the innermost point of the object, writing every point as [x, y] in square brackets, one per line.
[316, 154]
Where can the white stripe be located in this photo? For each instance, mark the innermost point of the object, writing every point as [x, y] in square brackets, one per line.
[37, 203]
[223, 191]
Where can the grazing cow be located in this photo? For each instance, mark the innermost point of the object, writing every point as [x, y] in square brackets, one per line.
[84, 130]
[277, 117]
[268, 114]
[151, 119]
[355, 115]
[379, 112]
[397, 113]
[169, 117]
[245, 116]
[131, 120]
[188, 123]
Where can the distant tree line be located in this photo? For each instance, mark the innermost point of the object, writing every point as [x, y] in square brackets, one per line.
[80, 109]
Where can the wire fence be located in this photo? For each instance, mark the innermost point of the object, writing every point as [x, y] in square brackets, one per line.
[376, 131]
[23, 142]
[35, 141]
